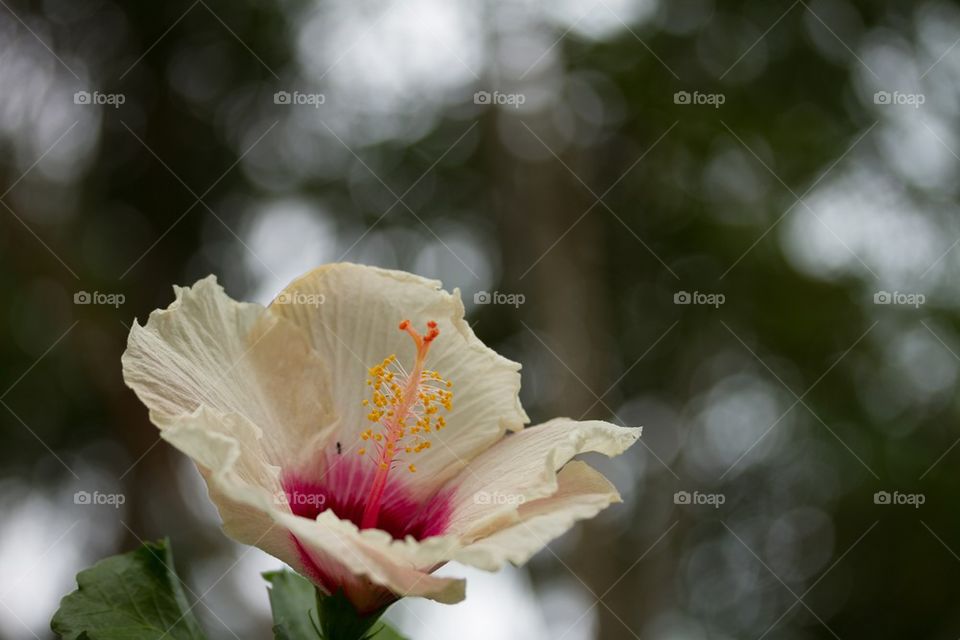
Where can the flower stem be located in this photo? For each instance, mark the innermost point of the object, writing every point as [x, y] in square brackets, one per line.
[339, 620]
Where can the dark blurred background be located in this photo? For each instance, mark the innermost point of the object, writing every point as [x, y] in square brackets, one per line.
[732, 223]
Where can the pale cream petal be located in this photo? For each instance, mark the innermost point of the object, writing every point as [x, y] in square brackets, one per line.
[249, 498]
[582, 493]
[523, 467]
[352, 313]
[242, 485]
[340, 544]
[207, 349]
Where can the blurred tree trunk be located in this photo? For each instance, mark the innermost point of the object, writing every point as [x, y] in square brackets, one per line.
[537, 203]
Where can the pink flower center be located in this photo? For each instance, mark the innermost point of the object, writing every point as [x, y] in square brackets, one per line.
[344, 486]
[404, 408]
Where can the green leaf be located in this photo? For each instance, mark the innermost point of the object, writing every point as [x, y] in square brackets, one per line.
[293, 601]
[133, 596]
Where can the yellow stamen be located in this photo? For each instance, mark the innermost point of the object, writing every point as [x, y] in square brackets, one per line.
[406, 406]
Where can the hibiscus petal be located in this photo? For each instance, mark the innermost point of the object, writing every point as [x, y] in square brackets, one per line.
[226, 449]
[582, 493]
[371, 568]
[207, 349]
[523, 467]
[352, 313]
[346, 557]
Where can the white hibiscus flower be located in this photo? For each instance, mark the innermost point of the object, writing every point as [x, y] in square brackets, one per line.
[356, 429]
